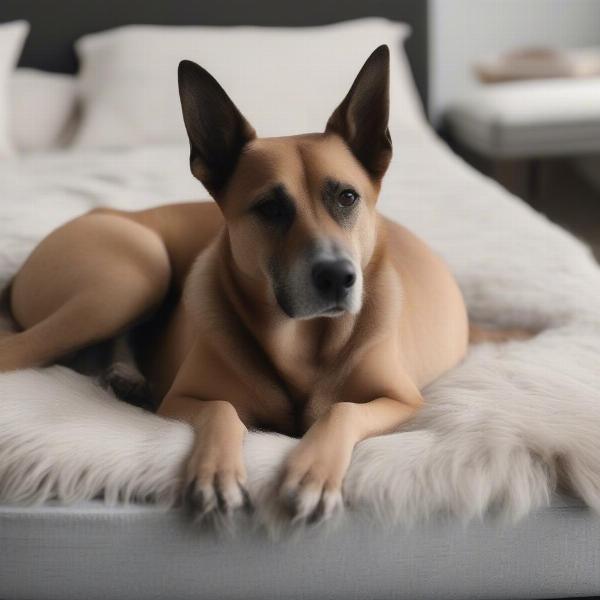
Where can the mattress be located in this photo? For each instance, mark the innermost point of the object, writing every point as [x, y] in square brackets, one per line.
[143, 552]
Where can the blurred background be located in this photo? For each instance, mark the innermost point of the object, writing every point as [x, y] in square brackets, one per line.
[463, 33]
[514, 87]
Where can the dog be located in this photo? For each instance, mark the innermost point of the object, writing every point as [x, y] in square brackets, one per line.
[289, 303]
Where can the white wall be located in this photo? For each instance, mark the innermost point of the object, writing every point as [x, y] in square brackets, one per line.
[462, 31]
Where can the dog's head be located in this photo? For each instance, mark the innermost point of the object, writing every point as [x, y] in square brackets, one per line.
[299, 210]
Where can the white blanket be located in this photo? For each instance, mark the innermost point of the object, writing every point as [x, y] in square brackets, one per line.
[498, 433]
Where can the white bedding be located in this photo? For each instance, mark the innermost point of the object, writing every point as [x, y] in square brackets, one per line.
[493, 431]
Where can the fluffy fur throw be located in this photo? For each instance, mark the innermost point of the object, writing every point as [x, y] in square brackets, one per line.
[499, 433]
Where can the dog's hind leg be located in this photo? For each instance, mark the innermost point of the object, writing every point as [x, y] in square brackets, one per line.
[86, 282]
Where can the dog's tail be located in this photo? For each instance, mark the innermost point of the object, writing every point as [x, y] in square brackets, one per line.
[479, 334]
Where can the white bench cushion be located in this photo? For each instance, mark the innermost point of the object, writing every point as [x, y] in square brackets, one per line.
[555, 117]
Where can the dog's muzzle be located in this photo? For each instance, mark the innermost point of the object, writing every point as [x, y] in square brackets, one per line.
[323, 282]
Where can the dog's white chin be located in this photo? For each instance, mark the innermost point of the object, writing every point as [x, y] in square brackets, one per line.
[333, 312]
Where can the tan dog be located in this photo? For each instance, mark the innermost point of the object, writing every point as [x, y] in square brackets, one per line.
[290, 304]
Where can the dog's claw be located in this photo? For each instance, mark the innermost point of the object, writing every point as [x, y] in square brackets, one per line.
[222, 504]
[200, 501]
[288, 499]
[309, 505]
[197, 501]
[247, 503]
[190, 496]
[329, 504]
[317, 514]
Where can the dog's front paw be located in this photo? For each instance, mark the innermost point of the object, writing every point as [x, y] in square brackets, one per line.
[311, 481]
[215, 479]
[310, 493]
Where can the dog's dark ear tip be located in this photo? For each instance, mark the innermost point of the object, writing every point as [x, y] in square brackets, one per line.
[381, 53]
[187, 69]
[183, 69]
[185, 65]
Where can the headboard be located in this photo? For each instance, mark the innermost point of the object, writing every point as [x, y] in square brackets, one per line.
[56, 24]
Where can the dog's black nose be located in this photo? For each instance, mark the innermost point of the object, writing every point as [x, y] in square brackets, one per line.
[334, 278]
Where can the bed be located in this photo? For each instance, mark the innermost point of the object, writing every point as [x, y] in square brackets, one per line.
[492, 492]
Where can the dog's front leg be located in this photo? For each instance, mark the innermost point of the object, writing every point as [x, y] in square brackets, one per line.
[311, 482]
[215, 474]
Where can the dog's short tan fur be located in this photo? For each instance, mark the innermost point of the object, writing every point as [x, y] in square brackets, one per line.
[244, 344]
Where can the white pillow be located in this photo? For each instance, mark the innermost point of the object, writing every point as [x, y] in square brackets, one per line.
[12, 37]
[43, 109]
[284, 80]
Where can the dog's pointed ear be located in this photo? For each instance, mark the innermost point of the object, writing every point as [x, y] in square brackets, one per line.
[362, 117]
[216, 128]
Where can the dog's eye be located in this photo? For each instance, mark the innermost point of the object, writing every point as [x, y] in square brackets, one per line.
[347, 198]
[274, 211]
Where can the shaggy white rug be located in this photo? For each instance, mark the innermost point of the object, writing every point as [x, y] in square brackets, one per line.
[498, 434]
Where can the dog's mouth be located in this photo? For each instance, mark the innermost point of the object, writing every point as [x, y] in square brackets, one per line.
[296, 312]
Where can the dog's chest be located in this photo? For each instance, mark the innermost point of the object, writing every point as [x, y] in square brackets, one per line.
[310, 386]
[308, 366]
[292, 410]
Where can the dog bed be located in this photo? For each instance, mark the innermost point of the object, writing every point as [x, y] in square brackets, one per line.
[462, 502]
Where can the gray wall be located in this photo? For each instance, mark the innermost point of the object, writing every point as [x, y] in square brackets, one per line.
[461, 31]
